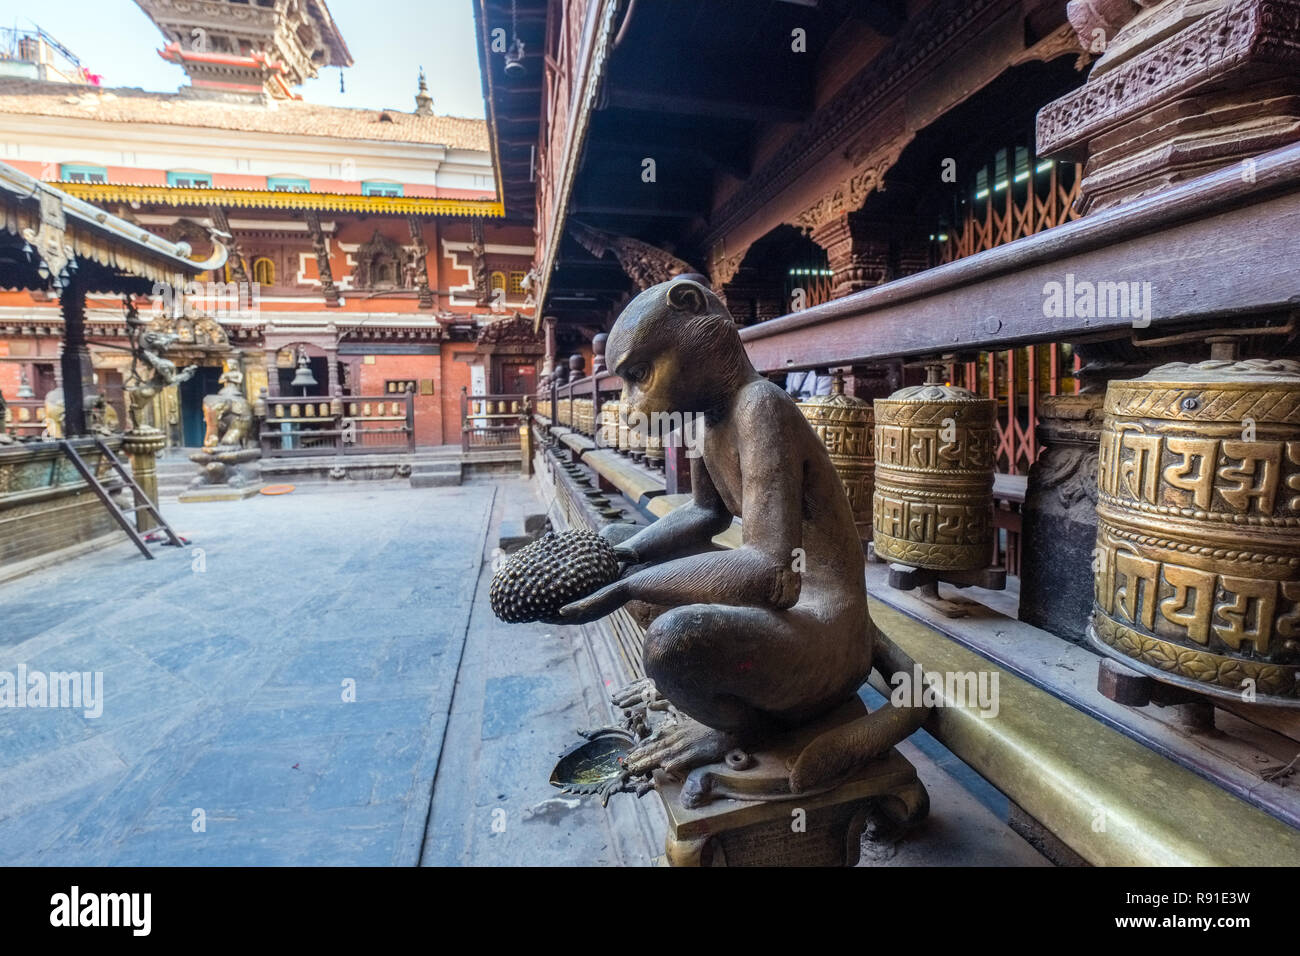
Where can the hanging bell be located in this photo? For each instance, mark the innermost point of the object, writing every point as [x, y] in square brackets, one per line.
[303, 377]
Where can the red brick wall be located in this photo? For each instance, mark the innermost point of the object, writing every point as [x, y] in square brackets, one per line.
[455, 375]
[9, 376]
[428, 412]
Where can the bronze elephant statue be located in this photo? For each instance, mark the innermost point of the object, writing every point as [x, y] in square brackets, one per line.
[228, 414]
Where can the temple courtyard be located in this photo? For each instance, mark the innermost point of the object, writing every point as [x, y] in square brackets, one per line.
[318, 679]
[284, 690]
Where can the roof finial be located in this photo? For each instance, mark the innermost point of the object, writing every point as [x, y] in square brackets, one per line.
[423, 101]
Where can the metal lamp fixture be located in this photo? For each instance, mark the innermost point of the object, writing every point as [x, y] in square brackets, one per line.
[515, 53]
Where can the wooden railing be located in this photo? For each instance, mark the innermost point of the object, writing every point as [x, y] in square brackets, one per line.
[491, 421]
[349, 425]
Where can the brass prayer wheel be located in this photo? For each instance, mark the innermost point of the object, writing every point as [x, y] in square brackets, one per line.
[564, 412]
[582, 415]
[845, 424]
[933, 500]
[1197, 566]
[609, 425]
[654, 449]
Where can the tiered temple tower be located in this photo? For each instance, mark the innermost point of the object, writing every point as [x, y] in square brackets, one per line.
[247, 50]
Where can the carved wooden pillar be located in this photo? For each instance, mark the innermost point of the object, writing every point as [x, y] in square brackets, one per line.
[272, 372]
[914, 252]
[1182, 89]
[869, 382]
[332, 371]
[857, 249]
[321, 247]
[74, 360]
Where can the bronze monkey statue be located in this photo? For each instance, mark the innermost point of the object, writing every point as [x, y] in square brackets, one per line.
[772, 634]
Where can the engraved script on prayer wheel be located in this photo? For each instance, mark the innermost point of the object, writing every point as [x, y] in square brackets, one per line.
[933, 501]
[1197, 567]
[844, 424]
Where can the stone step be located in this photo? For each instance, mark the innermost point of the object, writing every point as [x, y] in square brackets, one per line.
[435, 467]
[435, 474]
[435, 479]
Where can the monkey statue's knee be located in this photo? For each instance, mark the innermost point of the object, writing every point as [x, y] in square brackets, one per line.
[664, 650]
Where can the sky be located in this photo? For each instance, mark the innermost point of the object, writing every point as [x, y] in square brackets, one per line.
[390, 40]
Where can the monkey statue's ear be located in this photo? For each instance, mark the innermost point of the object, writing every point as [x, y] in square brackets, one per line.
[686, 295]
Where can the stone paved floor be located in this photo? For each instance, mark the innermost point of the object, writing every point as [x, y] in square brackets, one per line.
[224, 676]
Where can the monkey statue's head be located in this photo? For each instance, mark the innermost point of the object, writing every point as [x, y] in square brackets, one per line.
[677, 349]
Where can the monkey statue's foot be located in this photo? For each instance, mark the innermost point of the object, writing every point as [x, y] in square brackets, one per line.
[680, 747]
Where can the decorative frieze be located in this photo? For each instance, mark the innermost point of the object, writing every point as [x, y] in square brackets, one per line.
[1185, 87]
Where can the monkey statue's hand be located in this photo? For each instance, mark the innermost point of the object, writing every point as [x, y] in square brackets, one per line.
[595, 606]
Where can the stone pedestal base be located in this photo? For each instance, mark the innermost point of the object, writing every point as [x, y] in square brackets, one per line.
[219, 493]
[227, 473]
[823, 828]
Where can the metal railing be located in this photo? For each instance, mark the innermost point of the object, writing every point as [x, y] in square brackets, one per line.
[491, 421]
[350, 425]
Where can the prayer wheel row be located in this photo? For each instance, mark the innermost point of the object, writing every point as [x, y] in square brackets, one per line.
[1197, 562]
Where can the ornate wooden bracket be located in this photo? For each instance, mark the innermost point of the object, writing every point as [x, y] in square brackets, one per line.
[321, 247]
[421, 263]
[236, 258]
[644, 264]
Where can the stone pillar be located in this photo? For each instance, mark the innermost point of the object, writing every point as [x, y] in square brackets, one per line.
[1059, 516]
[857, 249]
[1183, 88]
[74, 360]
[548, 361]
